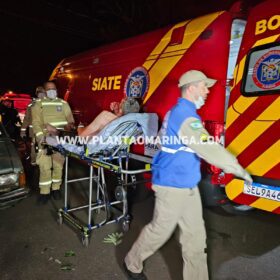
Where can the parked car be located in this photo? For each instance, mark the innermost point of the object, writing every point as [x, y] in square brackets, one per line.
[12, 176]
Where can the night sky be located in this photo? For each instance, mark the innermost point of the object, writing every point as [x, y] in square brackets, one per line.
[37, 34]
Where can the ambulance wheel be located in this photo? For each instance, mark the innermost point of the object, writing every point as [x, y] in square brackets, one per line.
[85, 240]
[60, 219]
[125, 225]
[237, 209]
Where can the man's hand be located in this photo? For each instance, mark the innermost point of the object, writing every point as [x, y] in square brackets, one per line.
[241, 172]
[69, 127]
[52, 131]
[247, 177]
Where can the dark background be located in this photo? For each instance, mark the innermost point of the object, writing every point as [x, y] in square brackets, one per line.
[37, 34]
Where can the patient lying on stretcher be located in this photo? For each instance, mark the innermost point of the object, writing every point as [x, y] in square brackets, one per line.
[118, 109]
[131, 123]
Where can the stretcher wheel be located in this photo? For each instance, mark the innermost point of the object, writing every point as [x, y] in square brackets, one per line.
[60, 220]
[120, 193]
[85, 240]
[125, 225]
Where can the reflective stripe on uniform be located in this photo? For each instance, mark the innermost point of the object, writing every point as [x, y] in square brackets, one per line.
[52, 103]
[58, 123]
[23, 129]
[56, 181]
[45, 183]
[173, 151]
[31, 125]
[39, 133]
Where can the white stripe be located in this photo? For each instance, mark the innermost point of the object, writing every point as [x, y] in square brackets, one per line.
[52, 103]
[45, 183]
[58, 123]
[39, 133]
[23, 129]
[31, 125]
[173, 151]
[56, 181]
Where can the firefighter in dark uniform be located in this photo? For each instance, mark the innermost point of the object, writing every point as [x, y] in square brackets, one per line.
[26, 129]
[55, 113]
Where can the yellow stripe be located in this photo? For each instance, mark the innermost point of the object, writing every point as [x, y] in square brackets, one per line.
[166, 39]
[255, 128]
[234, 188]
[240, 69]
[148, 64]
[265, 161]
[266, 204]
[161, 68]
[266, 40]
[247, 136]
[239, 107]
[169, 54]
[242, 103]
[153, 56]
[272, 112]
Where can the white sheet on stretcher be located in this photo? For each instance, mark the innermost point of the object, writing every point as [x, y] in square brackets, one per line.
[147, 121]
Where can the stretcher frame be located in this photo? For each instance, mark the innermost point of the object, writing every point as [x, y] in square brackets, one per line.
[101, 163]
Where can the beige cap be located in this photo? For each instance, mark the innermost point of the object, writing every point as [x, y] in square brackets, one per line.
[195, 76]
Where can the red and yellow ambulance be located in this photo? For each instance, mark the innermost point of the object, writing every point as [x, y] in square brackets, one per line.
[238, 48]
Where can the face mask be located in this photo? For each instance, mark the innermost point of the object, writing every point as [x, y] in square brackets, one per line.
[199, 102]
[52, 93]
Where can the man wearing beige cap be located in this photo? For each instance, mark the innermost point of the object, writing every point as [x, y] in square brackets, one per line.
[176, 173]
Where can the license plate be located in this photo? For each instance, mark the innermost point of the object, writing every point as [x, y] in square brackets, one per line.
[264, 191]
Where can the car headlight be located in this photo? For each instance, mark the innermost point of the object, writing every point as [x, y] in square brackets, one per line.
[8, 179]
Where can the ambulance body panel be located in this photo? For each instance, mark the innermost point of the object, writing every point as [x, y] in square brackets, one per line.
[148, 67]
[252, 124]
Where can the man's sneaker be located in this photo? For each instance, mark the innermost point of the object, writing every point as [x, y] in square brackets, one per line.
[43, 199]
[56, 195]
[131, 275]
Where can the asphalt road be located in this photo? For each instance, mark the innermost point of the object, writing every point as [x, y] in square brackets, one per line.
[33, 245]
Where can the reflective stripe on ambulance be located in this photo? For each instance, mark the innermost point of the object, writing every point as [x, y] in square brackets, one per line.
[254, 142]
[164, 58]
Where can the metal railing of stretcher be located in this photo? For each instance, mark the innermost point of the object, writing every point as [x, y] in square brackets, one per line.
[117, 161]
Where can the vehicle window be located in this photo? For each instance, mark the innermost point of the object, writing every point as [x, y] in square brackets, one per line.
[262, 71]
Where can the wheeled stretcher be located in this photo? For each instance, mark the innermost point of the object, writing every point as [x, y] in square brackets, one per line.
[102, 158]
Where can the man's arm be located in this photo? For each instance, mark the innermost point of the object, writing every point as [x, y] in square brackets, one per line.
[103, 119]
[195, 136]
[37, 121]
[26, 121]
